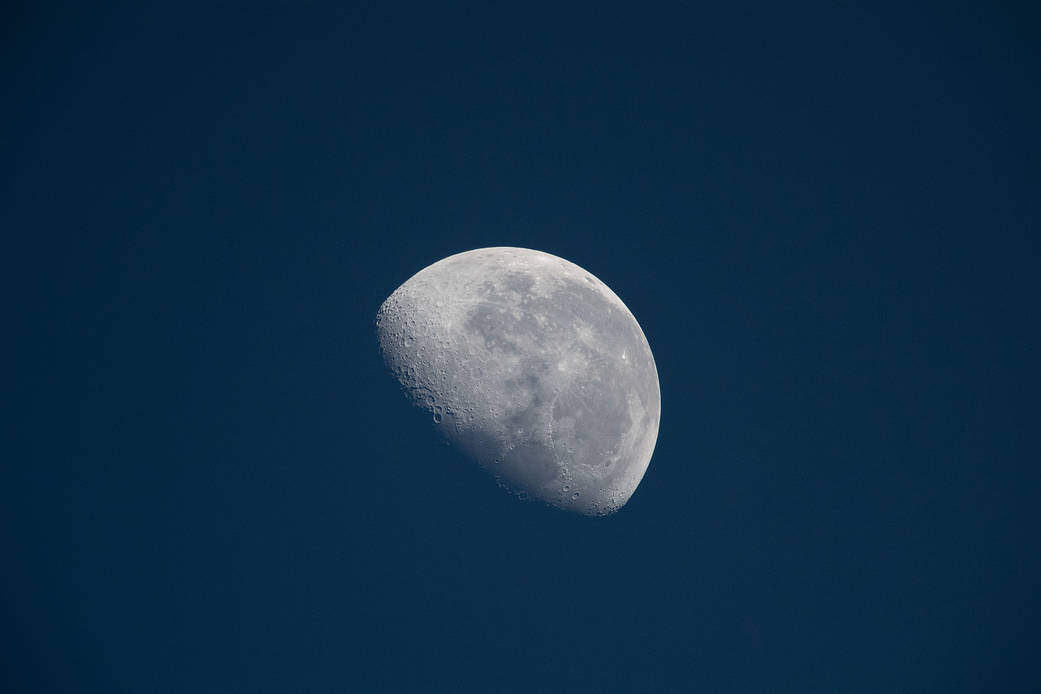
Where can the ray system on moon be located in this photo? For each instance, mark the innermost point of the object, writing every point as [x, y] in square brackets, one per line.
[533, 368]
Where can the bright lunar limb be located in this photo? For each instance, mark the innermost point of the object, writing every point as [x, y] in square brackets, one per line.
[532, 367]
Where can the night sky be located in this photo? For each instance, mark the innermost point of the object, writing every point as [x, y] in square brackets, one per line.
[825, 217]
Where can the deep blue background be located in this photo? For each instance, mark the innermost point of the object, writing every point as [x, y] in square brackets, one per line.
[825, 217]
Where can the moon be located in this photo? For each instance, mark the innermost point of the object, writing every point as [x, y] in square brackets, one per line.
[533, 368]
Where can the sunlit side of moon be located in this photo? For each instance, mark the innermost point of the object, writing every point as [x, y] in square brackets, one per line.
[532, 367]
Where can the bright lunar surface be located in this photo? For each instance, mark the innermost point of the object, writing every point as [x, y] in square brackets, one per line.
[532, 367]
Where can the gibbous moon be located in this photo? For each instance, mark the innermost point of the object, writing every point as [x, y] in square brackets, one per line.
[533, 368]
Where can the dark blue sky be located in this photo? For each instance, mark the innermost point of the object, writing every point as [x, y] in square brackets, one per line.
[824, 215]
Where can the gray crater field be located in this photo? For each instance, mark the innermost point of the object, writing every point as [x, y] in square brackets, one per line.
[533, 368]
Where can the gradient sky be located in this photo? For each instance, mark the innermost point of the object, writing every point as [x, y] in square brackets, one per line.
[824, 215]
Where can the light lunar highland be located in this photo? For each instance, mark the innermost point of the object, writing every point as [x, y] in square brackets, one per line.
[532, 367]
